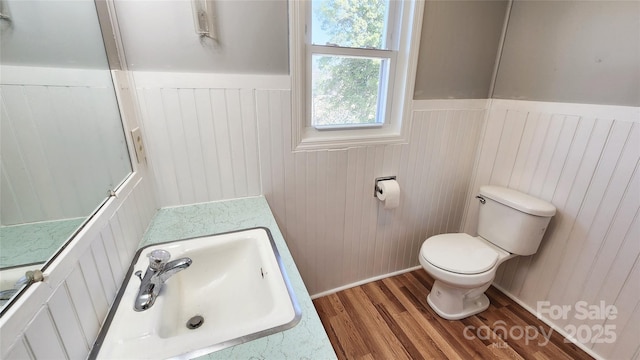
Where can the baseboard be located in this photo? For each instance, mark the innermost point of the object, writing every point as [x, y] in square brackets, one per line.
[549, 322]
[362, 282]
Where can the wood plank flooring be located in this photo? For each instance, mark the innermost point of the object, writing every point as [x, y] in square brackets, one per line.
[390, 319]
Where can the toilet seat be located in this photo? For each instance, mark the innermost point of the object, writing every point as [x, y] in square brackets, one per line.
[459, 253]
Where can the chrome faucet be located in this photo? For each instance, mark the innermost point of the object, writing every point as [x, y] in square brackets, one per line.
[158, 271]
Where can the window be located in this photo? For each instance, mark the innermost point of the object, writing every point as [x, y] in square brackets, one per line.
[351, 68]
[351, 58]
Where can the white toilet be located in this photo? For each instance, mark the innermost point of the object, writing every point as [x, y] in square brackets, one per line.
[510, 223]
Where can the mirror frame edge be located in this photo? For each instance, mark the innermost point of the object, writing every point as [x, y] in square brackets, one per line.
[22, 307]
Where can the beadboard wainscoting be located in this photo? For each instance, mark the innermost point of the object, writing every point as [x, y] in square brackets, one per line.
[60, 318]
[202, 135]
[36, 110]
[213, 137]
[338, 232]
[584, 159]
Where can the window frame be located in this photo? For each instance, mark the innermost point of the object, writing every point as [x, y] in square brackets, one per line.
[403, 51]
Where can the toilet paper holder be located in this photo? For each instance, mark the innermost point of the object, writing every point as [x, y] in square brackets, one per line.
[376, 189]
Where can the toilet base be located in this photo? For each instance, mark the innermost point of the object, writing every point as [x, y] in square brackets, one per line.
[455, 303]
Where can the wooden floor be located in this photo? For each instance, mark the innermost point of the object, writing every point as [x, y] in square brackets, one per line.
[390, 319]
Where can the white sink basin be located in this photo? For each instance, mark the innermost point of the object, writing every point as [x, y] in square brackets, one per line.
[236, 283]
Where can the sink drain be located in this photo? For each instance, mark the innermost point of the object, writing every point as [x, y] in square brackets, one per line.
[195, 322]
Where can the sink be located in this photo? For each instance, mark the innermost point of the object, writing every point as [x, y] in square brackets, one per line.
[236, 290]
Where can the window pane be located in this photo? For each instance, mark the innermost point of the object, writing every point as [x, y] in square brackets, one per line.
[349, 23]
[345, 90]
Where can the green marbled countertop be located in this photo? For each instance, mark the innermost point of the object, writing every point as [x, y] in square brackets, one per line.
[34, 242]
[307, 340]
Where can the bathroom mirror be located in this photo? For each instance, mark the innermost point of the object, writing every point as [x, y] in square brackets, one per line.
[63, 147]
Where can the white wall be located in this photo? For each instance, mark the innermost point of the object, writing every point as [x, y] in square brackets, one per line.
[218, 142]
[584, 159]
[202, 138]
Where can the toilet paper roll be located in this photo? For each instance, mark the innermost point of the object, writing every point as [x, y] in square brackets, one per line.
[390, 195]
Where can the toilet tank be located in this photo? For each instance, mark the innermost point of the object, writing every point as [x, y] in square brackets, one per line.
[513, 220]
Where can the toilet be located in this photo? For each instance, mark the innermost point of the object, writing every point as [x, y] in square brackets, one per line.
[510, 223]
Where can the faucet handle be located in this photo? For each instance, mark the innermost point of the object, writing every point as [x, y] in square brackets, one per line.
[157, 259]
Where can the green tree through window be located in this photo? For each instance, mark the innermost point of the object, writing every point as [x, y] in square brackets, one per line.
[346, 89]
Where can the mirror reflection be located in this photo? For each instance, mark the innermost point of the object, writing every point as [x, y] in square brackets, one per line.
[62, 140]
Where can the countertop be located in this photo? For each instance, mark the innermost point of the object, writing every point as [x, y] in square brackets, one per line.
[34, 242]
[307, 340]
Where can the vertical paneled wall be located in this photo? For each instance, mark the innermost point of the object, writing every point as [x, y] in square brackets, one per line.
[202, 141]
[72, 303]
[584, 159]
[43, 178]
[337, 231]
[212, 139]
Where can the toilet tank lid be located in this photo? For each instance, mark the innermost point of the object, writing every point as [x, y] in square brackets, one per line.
[518, 200]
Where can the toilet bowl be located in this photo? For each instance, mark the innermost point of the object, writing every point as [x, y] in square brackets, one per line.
[464, 267]
[510, 223]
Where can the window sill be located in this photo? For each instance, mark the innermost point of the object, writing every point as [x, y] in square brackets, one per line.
[346, 127]
[314, 139]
